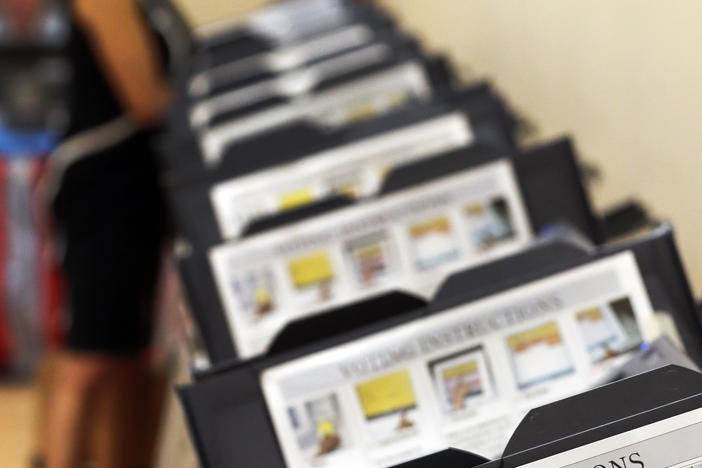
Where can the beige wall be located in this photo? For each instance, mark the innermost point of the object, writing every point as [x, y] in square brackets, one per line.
[624, 77]
[204, 11]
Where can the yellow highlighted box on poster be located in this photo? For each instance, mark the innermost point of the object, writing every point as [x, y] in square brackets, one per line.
[392, 392]
[296, 199]
[547, 333]
[470, 367]
[311, 269]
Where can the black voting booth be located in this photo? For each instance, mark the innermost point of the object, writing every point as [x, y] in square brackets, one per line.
[590, 417]
[207, 64]
[205, 78]
[230, 40]
[550, 185]
[230, 393]
[229, 102]
[298, 135]
[488, 122]
[228, 31]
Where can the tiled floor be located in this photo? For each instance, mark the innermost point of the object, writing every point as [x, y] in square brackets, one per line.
[16, 425]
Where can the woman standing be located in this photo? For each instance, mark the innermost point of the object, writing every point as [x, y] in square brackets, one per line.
[109, 218]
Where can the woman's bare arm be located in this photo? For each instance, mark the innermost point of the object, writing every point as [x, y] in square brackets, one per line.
[128, 56]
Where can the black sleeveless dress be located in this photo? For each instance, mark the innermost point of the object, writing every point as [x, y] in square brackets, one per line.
[109, 214]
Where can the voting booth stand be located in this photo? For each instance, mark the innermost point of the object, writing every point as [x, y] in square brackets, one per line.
[381, 274]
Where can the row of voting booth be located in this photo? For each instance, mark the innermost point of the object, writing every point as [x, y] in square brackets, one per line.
[381, 274]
